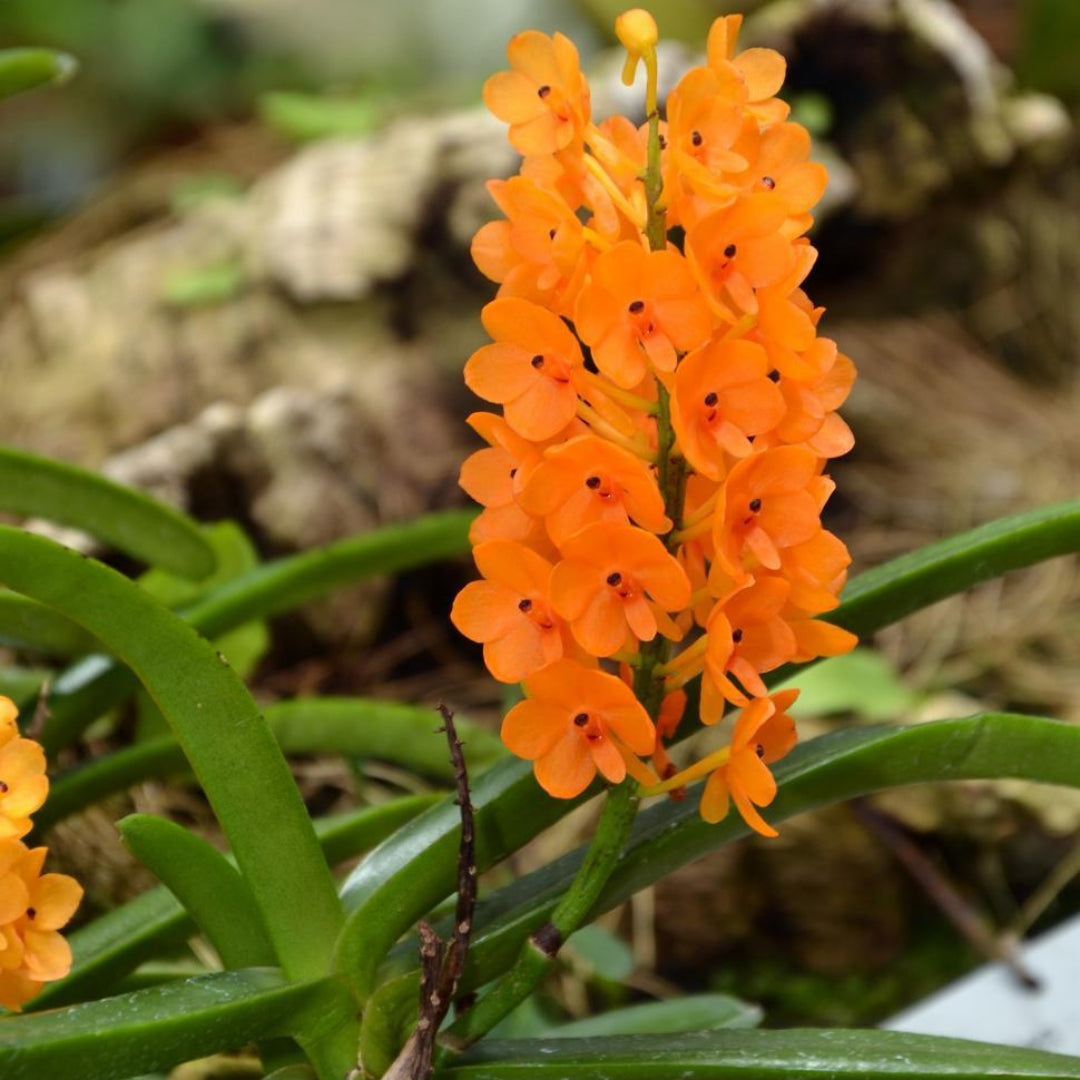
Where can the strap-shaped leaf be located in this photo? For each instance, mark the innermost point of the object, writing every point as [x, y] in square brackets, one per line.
[885, 594]
[391, 889]
[116, 943]
[25, 69]
[83, 693]
[26, 624]
[166, 1025]
[760, 1055]
[835, 767]
[699, 1012]
[356, 727]
[231, 750]
[123, 517]
[208, 886]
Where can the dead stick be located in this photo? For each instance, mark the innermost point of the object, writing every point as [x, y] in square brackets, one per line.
[955, 908]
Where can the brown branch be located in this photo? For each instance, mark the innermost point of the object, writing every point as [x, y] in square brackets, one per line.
[943, 893]
[441, 963]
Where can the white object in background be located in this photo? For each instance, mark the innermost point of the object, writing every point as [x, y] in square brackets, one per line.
[991, 1004]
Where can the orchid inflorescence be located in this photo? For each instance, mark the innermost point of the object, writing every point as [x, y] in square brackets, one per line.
[33, 906]
[653, 488]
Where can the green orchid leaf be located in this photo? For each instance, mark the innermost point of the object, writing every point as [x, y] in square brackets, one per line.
[120, 516]
[208, 886]
[87, 689]
[387, 730]
[154, 923]
[355, 727]
[26, 624]
[884, 595]
[759, 1055]
[27, 69]
[832, 768]
[230, 748]
[412, 871]
[700, 1012]
[166, 1025]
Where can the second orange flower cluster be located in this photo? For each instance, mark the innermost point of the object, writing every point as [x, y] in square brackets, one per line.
[654, 483]
[33, 906]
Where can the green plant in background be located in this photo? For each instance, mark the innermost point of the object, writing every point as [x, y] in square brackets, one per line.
[325, 975]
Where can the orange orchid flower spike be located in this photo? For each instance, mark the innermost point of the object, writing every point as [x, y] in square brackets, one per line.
[658, 472]
[574, 722]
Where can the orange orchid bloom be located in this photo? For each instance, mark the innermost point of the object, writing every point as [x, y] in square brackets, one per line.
[747, 636]
[539, 253]
[761, 72]
[494, 477]
[764, 733]
[33, 908]
[782, 165]
[811, 410]
[764, 507]
[510, 613]
[704, 169]
[589, 479]
[545, 98]
[722, 397]
[736, 251]
[23, 783]
[531, 369]
[573, 723]
[640, 308]
[605, 582]
[816, 570]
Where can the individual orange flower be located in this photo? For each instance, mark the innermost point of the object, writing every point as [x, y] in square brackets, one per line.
[747, 636]
[811, 415]
[703, 169]
[509, 611]
[760, 71]
[816, 570]
[764, 733]
[530, 369]
[722, 397]
[736, 251]
[545, 98]
[494, 476]
[640, 308]
[589, 479]
[539, 253]
[572, 724]
[764, 507]
[23, 783]
[32, 951]
[604, 585]
[781, 164]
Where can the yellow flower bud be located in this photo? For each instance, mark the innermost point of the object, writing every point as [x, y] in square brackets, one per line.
[636, 30]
